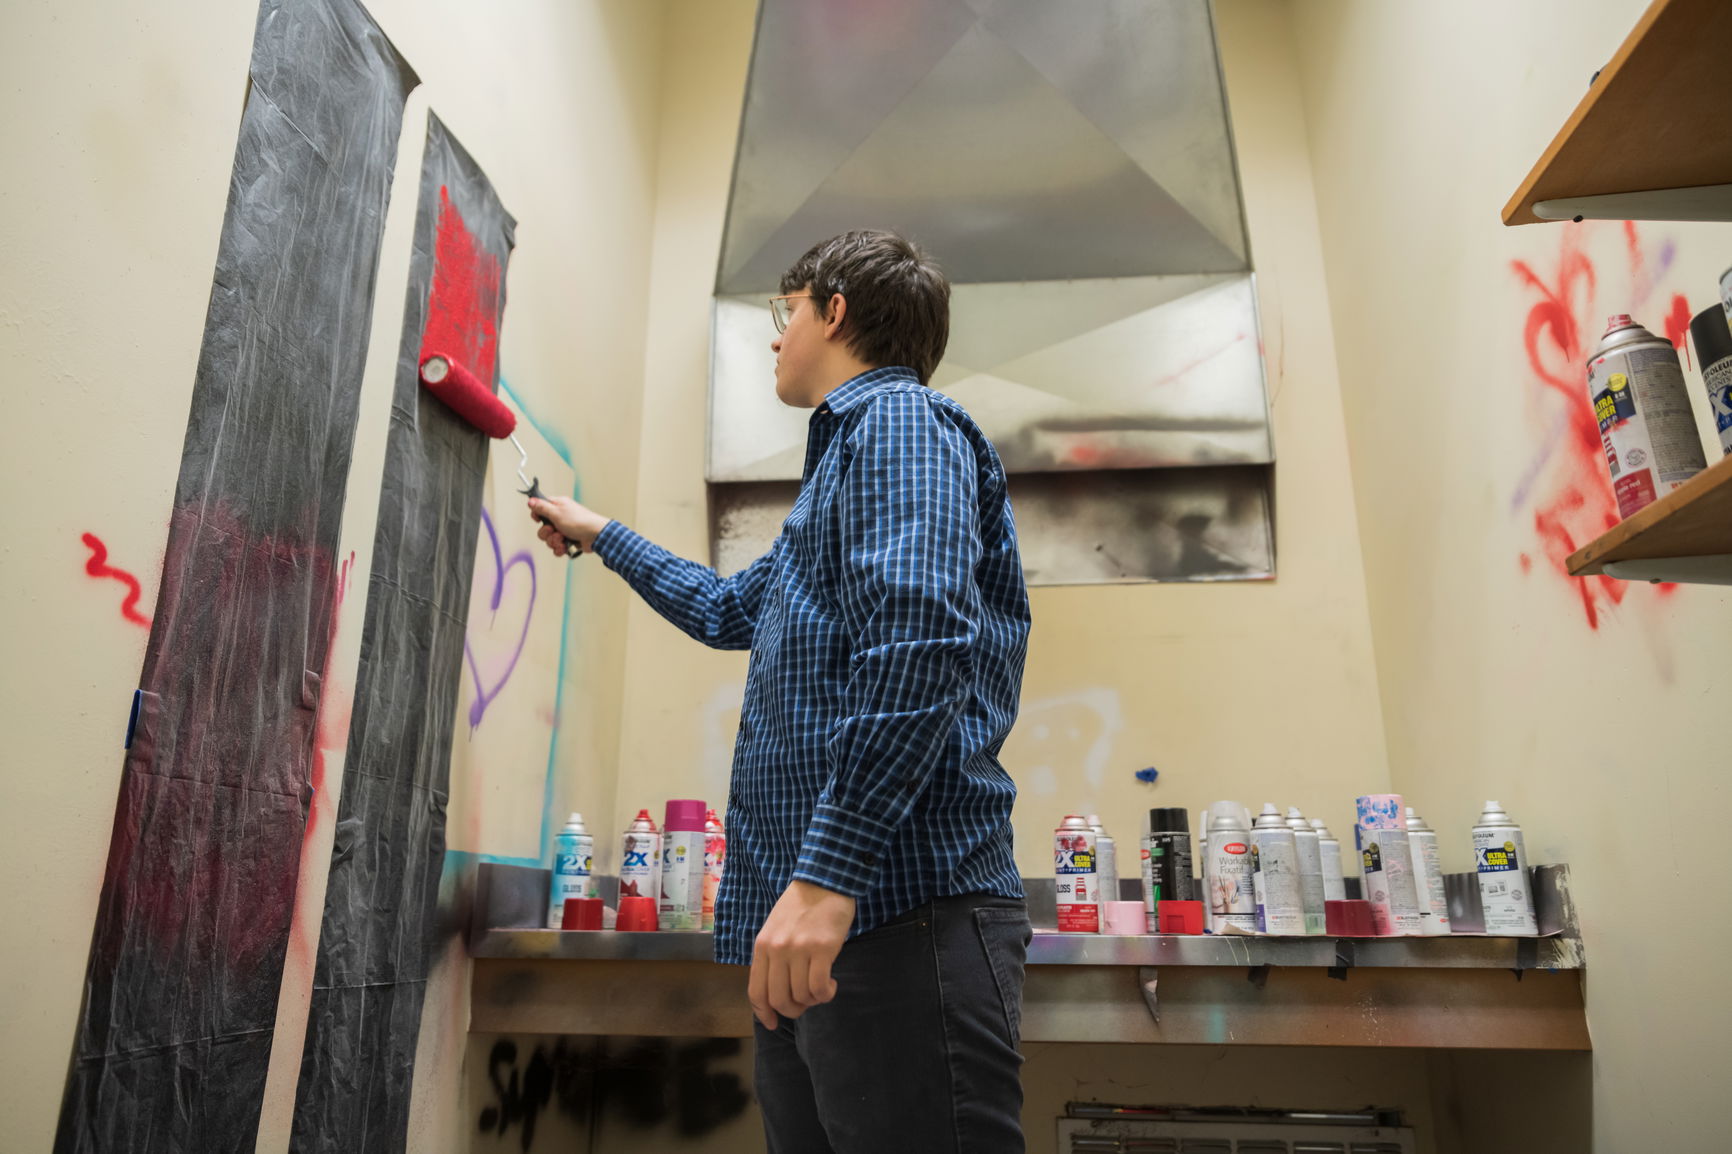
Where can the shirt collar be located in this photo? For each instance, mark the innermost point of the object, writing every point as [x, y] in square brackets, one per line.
[847, 395]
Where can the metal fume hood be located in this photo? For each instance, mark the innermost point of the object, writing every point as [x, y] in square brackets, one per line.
[1071, 166]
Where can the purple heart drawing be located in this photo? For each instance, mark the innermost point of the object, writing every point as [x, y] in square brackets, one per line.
[485, 693]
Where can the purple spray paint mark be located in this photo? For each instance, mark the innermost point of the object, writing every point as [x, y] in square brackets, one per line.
[485, 694]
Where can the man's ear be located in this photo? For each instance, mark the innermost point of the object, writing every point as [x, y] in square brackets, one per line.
[838, 311]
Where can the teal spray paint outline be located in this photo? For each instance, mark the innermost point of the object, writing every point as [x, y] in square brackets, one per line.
[456, 860]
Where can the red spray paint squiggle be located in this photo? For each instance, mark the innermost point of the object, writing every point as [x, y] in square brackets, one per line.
[98, 567]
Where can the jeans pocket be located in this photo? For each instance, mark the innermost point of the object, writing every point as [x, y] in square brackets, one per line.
[1004, 937]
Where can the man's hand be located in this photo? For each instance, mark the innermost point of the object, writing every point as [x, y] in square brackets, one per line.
[567, 521]
[792, 957]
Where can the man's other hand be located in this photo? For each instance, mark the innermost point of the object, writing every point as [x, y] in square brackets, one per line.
[566, 520]
[792, 956]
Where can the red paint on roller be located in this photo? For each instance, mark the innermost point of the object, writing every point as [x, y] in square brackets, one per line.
[448, 380]
[461, 325]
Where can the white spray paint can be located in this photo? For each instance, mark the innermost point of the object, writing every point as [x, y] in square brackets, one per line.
[682, 880]
[1329, 852]
[1107, 853]
[1427, 876]
[1386, 862]
[1504, 887]
[1077, 874]
[1646, 427]
[573, 868]
[1275, 878]
[641, 859]
[1227, 878]
[715, 861]
[1310, 869]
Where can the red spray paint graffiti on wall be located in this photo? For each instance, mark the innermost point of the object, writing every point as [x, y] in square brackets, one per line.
[1566, 488]
[99, 567]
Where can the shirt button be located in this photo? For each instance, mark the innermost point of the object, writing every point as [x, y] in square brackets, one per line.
[870, 859]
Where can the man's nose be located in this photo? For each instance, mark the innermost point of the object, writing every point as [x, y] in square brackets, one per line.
[776, 344]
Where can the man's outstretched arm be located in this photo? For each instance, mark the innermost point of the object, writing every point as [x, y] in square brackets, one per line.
[722, 612]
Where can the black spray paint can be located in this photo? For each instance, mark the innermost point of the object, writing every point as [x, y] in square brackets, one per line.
[1711, 333]
[1167, 871]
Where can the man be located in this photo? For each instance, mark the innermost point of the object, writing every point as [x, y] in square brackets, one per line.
[871, 884]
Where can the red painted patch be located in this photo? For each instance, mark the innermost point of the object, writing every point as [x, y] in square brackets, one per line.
[98, 567]
[1580, 505]
[1678, 324]
[465, 297]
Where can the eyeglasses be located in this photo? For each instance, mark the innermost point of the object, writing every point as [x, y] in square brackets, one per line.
[782, 309]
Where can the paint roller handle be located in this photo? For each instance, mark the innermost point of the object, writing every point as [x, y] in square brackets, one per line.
[534, 493]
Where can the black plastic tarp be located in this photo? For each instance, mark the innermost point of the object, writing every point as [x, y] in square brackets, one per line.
[377, 941]
[192, 926]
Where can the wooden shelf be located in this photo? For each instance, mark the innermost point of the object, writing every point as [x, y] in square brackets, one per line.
[1692, 521]
[1654, 122]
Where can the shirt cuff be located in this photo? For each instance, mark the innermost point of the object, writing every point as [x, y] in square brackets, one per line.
[620, 549]
[843, 851]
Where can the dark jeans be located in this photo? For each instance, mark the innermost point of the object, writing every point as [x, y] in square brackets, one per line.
[918, 1051]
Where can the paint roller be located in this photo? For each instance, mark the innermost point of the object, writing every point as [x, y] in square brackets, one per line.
[466, 396]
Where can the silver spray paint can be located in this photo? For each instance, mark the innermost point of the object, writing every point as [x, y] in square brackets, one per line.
[1427, 876]
[1077, 874]
[1107, 851]
[1504, 888]
[1227, 875]
[1329, 852]
[1386, 862]
[1275, 875]
[1643, 409]
[573, 868]
[1310, 869]
[641, 859]
[1712, 335]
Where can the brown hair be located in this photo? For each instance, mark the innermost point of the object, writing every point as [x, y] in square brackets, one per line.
[898, 297]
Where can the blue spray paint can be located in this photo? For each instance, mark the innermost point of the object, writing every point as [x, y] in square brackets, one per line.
[573, 868]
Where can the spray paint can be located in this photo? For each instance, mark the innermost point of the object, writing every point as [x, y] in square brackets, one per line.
[1275, 875]
[573, 868]
[1504, 888]
[1107, 853]
[1712, 335]
[715, 860]
[1310, 869]
[641, 859]
[1076, 870]
[1227, 874]
[1329, 853]
[1427, 876]
[1387, 864]
[1167, 861]
[1646, 428]
[682, 873]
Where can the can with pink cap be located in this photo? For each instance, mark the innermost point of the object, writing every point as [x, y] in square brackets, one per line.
[682, 888]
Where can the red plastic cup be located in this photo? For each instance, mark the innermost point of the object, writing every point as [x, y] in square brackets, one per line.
[1348, 919]
[636, 914]
[1179, 917]
[581, 914]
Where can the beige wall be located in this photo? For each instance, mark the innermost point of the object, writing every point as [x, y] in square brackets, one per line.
[1256, 691]
[121, 127]
[1607, 743]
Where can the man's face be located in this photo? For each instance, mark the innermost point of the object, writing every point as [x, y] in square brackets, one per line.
[799, 350]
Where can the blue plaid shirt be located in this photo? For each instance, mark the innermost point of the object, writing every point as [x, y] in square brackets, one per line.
[888, 625]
